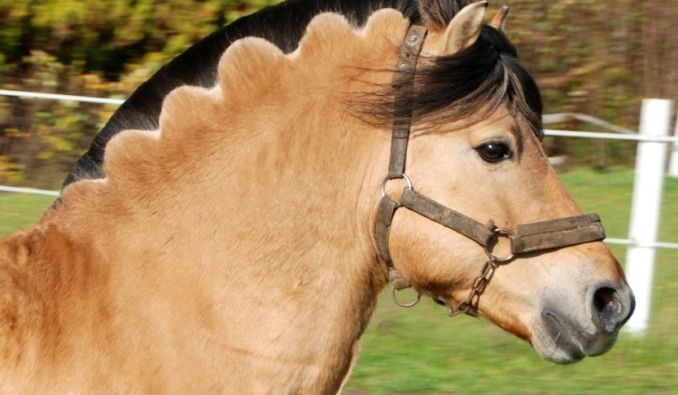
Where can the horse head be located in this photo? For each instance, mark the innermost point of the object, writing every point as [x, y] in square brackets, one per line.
[481, 156]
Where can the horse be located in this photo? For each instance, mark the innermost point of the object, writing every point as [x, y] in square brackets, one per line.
[232, 228]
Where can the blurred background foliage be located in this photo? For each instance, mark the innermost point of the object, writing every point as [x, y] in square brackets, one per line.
[593, 57]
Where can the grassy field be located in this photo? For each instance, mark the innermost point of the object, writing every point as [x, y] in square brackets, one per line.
[422, 351]
[20, 210]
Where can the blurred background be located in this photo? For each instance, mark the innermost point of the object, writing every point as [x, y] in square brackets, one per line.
[593, 57]
[598, 58]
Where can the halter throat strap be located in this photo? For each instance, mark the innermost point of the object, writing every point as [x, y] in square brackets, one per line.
[527, 238]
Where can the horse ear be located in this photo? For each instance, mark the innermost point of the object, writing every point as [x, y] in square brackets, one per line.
[499, 20]
[463, 30]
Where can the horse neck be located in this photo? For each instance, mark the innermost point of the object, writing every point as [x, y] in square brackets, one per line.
[274, 228]
[47, 279]
[311, 192]
[254, 223]
[281, 178]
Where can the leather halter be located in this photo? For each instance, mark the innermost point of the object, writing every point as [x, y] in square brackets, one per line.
[532, 237]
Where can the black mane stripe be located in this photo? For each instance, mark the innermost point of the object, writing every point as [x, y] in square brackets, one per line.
[448, 88]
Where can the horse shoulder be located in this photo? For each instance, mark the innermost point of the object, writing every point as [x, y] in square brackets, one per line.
[46, 278]
[19, 312]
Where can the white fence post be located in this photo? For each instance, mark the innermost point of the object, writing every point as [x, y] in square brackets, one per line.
[673, 160]
[648, 185]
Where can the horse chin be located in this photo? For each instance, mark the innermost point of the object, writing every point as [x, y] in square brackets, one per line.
[561, 341]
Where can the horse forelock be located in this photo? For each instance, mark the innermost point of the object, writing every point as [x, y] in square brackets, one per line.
[468, 86]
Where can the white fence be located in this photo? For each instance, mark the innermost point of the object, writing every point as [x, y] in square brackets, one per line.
[647, 190]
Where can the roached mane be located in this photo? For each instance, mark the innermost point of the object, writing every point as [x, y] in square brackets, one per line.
[487, 72]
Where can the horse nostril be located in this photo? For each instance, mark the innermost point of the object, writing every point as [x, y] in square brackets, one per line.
[608, 309]
[603, 299]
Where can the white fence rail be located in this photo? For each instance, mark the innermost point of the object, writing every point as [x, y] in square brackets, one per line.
[647, 190]
[54, 96]
[29, 191]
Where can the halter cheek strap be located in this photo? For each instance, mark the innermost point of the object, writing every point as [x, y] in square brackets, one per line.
[527, 238]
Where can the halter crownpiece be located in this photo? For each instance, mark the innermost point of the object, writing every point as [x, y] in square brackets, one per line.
[533, 237]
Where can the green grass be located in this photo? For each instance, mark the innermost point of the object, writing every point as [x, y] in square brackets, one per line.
[20, 210]
[422, 351]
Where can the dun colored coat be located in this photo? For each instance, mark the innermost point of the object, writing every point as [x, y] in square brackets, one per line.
[232, 249]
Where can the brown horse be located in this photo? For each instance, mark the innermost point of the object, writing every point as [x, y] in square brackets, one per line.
[234, 249]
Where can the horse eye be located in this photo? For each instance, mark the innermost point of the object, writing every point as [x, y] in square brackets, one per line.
[494, 152]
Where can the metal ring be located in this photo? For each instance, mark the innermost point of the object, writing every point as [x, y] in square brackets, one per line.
[462, 308]
[503, 231]
[401, 304]
[493, 258]
[389, 178]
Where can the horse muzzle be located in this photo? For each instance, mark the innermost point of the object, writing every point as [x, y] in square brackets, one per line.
[563, 338]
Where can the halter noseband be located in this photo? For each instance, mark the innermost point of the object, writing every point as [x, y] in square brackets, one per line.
[538, 236]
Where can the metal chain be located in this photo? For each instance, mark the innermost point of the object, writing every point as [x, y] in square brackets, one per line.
[478, 287]
[481, 281]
